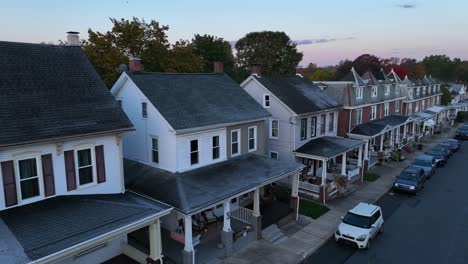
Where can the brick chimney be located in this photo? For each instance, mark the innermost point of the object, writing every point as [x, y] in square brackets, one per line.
[73, 38]
[134, 63]
[218, 67]
[255, 69]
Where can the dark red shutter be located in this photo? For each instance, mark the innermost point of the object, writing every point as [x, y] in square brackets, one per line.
[70, 170]
[9, 183]
[100, 164]
[48, 174]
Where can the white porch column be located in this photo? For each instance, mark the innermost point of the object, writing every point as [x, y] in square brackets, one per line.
[227, 218]
[188, 233]
[381, 141]
[343, 164]
[366, 151]
[398, 135]
[155, 241]
[359, 161]
[295, 185]
[391, 139]
[256, 202]
[414, 128]
[404, 130]
[324, 172]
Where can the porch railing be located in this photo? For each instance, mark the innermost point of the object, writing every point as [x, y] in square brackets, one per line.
[242, 214]
[309, 187]
[353, 174]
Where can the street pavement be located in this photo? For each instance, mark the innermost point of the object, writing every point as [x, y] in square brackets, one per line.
[430, 227]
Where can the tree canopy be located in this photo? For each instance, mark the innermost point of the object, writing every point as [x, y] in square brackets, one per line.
[274, 51]
[213, 49]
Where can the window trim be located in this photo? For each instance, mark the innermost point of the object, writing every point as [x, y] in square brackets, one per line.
[153, 150]
[323, 124]
[303, 129]
[77, 168]
[39, 177]
[313, 126]
[238, 131]
[271, 129]
[373, 112]
[358, 118]
[386, 109]
[374, 92]
[331, 122]
[387, 90]
[359, 92]
[275, 152]
[254, 138]
[197, 151]
[144, 110]
[397, 106]
[265, 100]
[213, 147]
[120, 102]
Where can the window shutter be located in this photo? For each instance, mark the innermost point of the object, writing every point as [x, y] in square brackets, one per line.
[100, 164]
[9, 183]
[70, 170]
[48, 174]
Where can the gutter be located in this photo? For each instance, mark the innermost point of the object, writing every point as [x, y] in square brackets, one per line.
[68, 137]
[217, 126]
[73, 250]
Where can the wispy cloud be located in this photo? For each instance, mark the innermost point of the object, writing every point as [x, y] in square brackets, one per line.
[321, 40]
[407, 6]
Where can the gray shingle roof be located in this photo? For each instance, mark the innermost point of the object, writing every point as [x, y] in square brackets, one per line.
[192, 190]
[329, 147]
[196, 100]
[374, 127]
[370, 78]
[49, 91]
[299, 94]
[52, 225]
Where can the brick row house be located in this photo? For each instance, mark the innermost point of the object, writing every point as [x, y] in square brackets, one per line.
[372, 111]
[62, 193]
[303, 128]
[200, 146]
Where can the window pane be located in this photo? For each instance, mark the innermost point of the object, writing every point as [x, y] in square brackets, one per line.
[30, 188]
[155, 156]
[193, 145]
[27, 168]
[84, 157]
[234, 148]
[251, 143]
[216, 153]
[194, 158]
[86, 175]
[215, 141]
[234, 136]
[251, 132]
[155, 144]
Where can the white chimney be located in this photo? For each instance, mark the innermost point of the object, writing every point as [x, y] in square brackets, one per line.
[73, 38]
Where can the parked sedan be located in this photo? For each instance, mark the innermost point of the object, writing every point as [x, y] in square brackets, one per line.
[455, 143]
[445, 148]
[453, 148]
[410, 180]
[462, 133]
[439, 155]
[427, 163]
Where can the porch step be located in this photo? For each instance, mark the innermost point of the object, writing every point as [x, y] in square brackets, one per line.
[272, 233]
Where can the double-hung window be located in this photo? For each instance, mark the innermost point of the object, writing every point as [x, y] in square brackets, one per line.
[266, 101]
[373, 112]
[155, 150]
[274, 129]
[313, 126]
[386, 109]
[252, 138]
[85, 166]
[235, 142]
[359, 92]
[28, 178]
[358, 116]
[423, 104]
[387, 90]
[397, 106]
[144, 110]
[323, 124]
[374, 91]
[331, 122]
[215, 146]
[410, 109]
[303, 128]
[194, 152]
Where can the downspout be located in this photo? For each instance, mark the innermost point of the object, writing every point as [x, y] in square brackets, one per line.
[350, 104]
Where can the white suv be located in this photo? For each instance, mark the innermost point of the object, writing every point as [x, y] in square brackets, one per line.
[360, 225]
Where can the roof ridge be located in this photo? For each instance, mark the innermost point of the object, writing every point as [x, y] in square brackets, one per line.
[37, 44]
[175, 73]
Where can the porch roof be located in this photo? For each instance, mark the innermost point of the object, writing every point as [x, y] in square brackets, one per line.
[52, 225]
[375, 127]
[328, 147]
[196, 189]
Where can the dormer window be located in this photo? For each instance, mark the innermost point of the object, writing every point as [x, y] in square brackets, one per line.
[359, 92]
[28, 178]
[417, 91]
[374, 91]
[193, 152]
[387, 89]
[85, 166]
[266, 101]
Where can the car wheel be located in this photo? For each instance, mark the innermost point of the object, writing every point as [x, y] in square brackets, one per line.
[368, 244]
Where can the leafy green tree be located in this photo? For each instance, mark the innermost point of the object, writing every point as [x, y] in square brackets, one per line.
[439, 66]
[107, 51]
[213, 49]
[275, 52]
[342, 69]
[446, 97]
[309, 70]
[460, 73]
[367, 62]
[321, 74]
[182, 58]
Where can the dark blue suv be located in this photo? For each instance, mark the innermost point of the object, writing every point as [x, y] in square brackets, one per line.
[439, 155]
[410, 180]
[427, 163]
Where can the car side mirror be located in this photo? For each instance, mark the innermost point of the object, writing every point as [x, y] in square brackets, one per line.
[373, 226]
[342, 217]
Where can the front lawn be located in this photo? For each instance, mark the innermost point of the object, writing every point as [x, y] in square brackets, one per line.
[371, 177]
[312, 209]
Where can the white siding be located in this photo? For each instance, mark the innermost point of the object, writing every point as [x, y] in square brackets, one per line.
[138, 146]
[112, 159]
[204, 149]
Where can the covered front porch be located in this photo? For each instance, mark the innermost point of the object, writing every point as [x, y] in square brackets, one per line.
[218, 208]
[332, 165]
[386, 137]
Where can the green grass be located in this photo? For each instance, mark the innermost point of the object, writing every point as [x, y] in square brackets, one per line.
[371, 177]
[311, 209]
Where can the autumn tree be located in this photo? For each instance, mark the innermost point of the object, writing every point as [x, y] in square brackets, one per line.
[274, 51]
[367, 62]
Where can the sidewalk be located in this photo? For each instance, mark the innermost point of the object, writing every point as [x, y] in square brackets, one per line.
[304, 237]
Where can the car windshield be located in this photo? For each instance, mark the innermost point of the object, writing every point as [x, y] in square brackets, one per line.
[434, 153]
[464, 131]
[425, 163]
[405, 175]
[357, 220]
